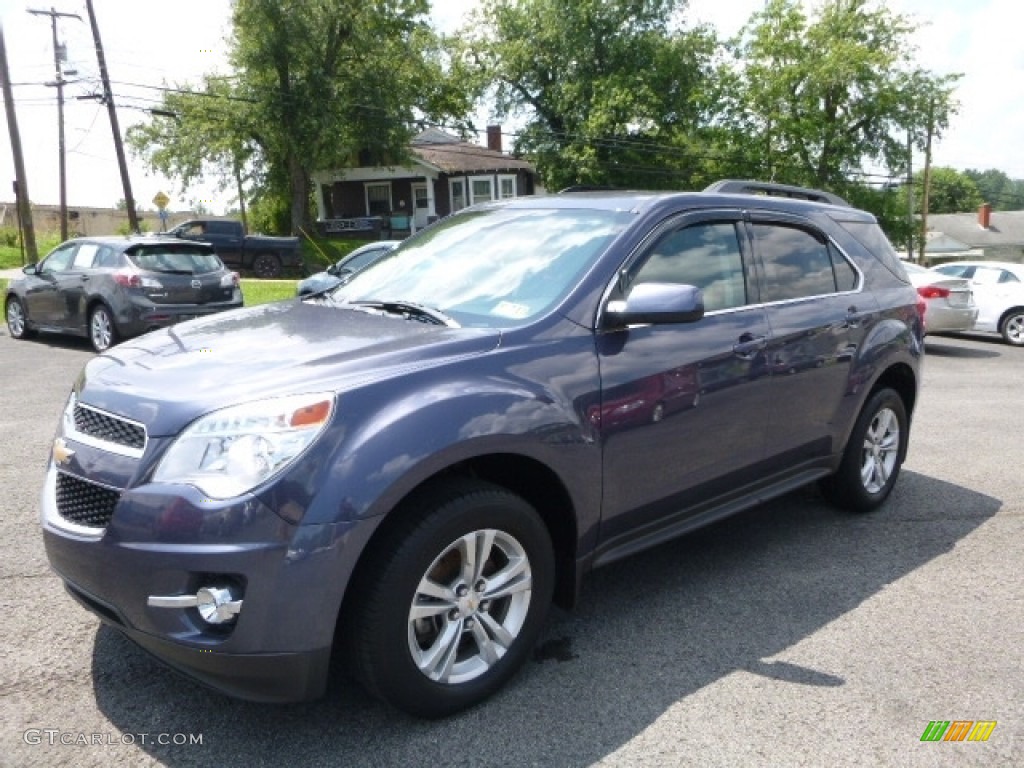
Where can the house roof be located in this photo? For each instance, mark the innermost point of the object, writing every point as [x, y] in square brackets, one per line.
[1005, 228]
[453, 156]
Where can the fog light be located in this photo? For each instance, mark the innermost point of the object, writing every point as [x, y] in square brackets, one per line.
[216, 605]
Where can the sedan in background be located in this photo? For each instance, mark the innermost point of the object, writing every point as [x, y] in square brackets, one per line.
[998, 289]
[950, 307]
[113, 288]
[346, 266]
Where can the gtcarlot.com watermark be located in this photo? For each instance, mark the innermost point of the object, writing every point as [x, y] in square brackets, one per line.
[55, 736]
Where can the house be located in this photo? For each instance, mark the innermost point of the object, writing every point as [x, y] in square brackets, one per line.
[992, 235]
[443, 175]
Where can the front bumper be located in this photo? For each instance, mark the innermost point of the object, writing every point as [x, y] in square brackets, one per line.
[168, 541]
[263, 677]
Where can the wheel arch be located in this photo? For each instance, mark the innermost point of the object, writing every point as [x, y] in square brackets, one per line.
[526, 477]
[1006, 314]
[901, 378]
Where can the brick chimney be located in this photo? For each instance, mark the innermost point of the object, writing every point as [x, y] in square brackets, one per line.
[494, 137]
[984, 215]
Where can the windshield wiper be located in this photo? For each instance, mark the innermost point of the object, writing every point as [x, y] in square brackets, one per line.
[410, 310]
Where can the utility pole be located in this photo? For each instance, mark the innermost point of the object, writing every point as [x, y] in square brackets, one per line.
[20, 183]
[59, 55]
[926, 194]
[910, 197]
[108, 97]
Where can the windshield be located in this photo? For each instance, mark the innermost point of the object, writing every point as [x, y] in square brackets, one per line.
[175, 258]
[493, 267]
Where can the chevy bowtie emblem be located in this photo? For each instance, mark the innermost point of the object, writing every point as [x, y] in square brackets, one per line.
[61, 453]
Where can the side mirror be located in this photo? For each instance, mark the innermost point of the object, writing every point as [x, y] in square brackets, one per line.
[31, 269]
[657, 304]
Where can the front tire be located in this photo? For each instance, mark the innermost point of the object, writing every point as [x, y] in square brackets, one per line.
[453, 599]
[1012, 328]
[17, 319]
[102, 331]
[873, 456]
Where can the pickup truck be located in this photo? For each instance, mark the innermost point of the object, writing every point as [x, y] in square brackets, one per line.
[262, 255]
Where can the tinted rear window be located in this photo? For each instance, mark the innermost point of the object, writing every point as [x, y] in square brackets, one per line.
[175, 259]
[871, 236]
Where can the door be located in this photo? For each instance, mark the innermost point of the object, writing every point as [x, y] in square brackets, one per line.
[684, 406]
[818, 317]
[43, 298]
[420, 205]
[75, 284]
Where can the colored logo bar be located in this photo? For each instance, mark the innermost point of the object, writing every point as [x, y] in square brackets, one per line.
[958, 730]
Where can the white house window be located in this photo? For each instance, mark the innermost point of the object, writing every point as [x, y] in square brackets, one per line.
[506, 186]
[378, 199]
[458, 187]
[481, 189]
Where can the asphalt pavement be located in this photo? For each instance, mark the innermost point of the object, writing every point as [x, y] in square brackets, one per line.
[791, 635]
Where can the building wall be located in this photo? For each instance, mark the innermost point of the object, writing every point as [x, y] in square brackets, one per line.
[91, 221]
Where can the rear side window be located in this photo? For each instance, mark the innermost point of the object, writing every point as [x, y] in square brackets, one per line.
[85, 255]
[175, 259]
[706, 255]
[798, 263]
[221, 228]
[871, 236]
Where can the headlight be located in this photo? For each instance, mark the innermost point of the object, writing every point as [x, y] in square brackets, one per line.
[231, 451]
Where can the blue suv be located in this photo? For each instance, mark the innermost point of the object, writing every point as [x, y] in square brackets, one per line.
[409, 469]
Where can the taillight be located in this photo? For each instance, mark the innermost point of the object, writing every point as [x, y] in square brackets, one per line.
[230, 281]
[933, 292]
[127, 279]
[922, 308]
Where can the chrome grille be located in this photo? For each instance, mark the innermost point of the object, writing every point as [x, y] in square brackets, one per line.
[111, 429]
[85, 503]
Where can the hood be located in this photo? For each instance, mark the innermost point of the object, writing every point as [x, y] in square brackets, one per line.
[167, 378]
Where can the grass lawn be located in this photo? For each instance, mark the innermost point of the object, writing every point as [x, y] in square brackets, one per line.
[265, 291]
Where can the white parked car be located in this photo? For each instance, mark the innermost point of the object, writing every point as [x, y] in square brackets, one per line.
[998, 289]
[950, 307]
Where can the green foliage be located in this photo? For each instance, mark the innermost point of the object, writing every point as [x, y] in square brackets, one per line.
[608, 86]
[813, 100]
[124, 228]
[10, 246]
[951, 191]
[998, 189]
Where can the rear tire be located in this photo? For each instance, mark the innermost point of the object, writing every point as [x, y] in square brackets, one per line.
[102, 331]
[1012, 328]
[266, 266]
[873, 456]
[452, 599]
[17, 319]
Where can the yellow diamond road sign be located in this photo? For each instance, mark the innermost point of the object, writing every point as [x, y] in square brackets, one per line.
[160, 200]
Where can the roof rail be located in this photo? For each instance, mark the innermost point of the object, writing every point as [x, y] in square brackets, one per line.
[741, 187]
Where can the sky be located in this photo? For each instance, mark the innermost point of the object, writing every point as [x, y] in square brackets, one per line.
[149, 44]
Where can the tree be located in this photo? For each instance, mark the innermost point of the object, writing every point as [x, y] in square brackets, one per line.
[607, 87]
[951, 192]
[998, 189]
[815, 101]
[317, 82]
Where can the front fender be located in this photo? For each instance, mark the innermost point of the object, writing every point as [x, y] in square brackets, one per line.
[399, 433]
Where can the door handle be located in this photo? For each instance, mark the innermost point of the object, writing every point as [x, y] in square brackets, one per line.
[855, 318]
[749, 345]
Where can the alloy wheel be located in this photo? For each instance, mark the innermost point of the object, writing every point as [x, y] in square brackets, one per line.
[470, 606]
[881, 450]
